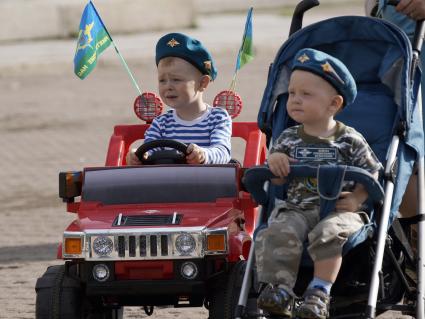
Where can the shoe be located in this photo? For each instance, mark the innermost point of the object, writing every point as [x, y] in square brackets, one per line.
[276, 301]
[315, 304]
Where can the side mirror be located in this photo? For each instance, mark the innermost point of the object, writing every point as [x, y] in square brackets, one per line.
[70, 184]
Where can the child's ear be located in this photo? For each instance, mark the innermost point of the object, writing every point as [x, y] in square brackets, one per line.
[203, 84]
[336, 104]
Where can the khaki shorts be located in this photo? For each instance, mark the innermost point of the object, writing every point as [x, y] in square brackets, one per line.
[279, 247]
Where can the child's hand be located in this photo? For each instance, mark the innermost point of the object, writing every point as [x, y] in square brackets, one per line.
[348, 202]
[352, 201]
[279, 164]
[195, 154]
[132, 159]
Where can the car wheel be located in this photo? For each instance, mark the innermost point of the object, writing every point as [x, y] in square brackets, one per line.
[58, 296]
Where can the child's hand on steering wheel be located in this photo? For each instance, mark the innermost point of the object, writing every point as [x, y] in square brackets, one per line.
[132, 159]
[195, 154]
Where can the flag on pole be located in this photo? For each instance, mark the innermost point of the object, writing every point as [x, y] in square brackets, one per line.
[246, 53]
[93, 39]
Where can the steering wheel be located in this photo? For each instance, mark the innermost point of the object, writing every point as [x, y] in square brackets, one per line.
[175, 156]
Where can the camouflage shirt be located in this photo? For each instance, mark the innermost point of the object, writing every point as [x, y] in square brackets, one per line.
[345, 147]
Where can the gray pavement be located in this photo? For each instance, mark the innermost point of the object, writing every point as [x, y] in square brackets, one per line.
[52, 121]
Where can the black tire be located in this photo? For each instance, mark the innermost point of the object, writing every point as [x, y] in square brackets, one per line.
[60, 296]
[225, 296]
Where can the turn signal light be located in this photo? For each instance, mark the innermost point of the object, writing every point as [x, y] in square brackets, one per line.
[73, 246]
[216, 242]
[70, 184]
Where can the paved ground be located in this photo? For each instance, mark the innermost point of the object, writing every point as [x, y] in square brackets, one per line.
[52, 121]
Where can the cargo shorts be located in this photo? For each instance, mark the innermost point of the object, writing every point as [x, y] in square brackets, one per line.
[279, 247]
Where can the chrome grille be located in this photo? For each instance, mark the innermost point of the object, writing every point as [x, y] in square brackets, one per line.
[149, 245]
[144, 244]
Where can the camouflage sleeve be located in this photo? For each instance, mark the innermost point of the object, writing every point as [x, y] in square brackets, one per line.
[363, 156]
[282, 143]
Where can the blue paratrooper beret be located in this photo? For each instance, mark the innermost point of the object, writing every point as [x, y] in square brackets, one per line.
[184, 47]
[330, 69]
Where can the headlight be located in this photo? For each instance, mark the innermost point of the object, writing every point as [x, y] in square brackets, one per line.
[185, 244]
[103, 246]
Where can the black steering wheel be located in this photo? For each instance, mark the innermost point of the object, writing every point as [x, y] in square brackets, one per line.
[175, 156]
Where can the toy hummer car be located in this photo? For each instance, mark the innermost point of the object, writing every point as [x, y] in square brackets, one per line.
[152, 235]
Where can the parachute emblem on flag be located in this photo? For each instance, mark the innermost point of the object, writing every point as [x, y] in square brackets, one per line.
[85, 38]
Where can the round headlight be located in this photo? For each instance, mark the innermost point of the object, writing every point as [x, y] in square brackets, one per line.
[101, 272]
[185, 244]
[103, 246]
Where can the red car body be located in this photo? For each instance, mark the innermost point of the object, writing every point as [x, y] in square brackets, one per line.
[139, 224]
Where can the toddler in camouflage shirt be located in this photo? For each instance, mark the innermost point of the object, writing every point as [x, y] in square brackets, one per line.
[320, 86]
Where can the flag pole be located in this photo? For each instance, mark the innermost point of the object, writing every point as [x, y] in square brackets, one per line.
[118, 52]
[233, 83]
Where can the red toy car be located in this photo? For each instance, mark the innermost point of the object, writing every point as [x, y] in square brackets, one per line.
[151, 235]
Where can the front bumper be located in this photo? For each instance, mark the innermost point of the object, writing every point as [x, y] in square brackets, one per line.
[142, 293]
[146, 288]
[139, 284]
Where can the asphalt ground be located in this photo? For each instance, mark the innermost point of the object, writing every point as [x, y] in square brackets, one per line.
[50, 121]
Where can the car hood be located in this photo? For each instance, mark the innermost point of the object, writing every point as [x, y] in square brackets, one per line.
[209, 215]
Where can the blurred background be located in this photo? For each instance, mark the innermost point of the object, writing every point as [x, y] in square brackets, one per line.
[55, 19]
[51, 121]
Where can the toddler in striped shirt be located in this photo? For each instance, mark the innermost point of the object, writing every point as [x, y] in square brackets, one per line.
[185, 68]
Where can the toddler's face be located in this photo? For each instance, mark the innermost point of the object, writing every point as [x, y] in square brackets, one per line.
[310, 98]
[178, 82]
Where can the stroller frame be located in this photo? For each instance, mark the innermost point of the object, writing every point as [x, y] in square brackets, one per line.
[389, 180]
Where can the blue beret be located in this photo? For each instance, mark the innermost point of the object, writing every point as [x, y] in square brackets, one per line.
[186, 48]
[329, 68]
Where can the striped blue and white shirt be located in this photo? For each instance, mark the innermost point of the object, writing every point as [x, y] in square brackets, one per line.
[212, 131]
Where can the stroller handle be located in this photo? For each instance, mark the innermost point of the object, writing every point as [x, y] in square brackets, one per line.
[297, 17]
[254, 179]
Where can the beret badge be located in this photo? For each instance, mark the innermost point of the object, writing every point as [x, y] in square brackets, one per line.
[207, 65]
[303, 58]
[327, 67]
[173, 43]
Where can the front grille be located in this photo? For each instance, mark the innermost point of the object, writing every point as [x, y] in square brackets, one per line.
[149, 245]
[148, 220]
